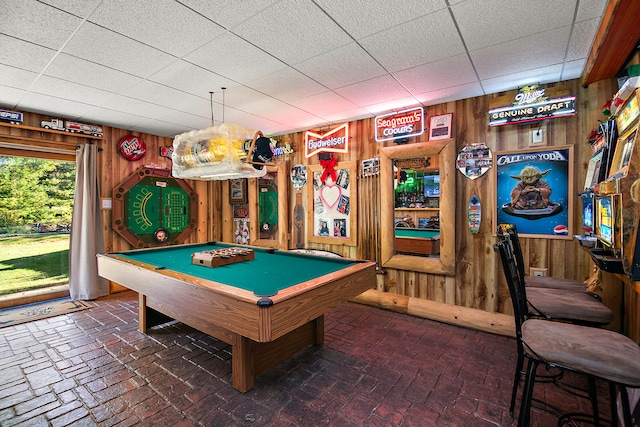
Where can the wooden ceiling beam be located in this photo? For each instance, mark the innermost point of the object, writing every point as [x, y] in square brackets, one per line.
[617, 37]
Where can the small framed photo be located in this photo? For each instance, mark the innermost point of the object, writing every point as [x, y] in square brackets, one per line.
[238, 191]
[440, 127]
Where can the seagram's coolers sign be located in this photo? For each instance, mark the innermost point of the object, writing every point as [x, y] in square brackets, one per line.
[402, 124]
[335, 141]
[532, 104]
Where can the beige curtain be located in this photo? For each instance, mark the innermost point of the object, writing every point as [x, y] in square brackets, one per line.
[86, 229]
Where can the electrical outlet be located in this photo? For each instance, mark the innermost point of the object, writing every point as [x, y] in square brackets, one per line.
[537, 271]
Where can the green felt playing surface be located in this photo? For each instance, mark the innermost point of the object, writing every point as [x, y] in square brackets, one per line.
[416, 233]
[264, 276]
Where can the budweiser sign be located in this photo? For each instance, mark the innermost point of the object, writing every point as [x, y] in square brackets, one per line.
[336, 141]
[398, 125]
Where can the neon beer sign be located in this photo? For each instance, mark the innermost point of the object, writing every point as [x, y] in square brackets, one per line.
[402, 124]
[335, 141]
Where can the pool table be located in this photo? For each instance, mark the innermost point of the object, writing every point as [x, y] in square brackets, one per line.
[267, 308]
[421, 241]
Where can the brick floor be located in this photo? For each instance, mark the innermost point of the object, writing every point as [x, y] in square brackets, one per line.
[376, 368]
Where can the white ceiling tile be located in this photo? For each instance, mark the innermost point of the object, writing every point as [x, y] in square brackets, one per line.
[423, 40]
[155, 93]
[437, 75]
[488, 22]
[53, 106]
[523, 78]
[164, 24]
[324, 104]
[534, 51]
[191, 78]
[37, 22]
[16, 78]
[226, 12]
[71, 68]
[63, 89]
[581, 39]
[235, 59]
[366, 92]
[80, 8]
[110, 49]
[293, 30]
[450, 94]
[361, 18]
[24, 55]
[591, 9]
[11, 96]
[341, 67]
[572, 69]
[286, 85]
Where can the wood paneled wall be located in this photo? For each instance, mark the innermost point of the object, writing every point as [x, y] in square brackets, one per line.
[478, 283]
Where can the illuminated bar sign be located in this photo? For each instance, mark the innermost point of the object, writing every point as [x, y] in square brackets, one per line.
[398, 125]
[335, 141]
[531, 105]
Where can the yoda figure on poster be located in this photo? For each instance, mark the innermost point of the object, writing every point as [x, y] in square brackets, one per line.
[530, 197]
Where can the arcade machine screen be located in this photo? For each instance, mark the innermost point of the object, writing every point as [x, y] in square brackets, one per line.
[605, 217]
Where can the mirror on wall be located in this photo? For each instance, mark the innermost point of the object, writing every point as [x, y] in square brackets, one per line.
[418, 207]
[268, 196]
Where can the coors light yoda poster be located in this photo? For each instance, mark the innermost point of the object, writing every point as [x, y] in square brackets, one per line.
[533, 191]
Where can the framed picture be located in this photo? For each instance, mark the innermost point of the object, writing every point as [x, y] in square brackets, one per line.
[237, 191]
[440, 127]
[534, 190]
[332, 213]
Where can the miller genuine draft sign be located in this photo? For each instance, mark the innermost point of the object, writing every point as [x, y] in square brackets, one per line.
[402, 124]
[532, 104]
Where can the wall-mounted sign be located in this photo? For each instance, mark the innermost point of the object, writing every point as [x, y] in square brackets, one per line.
[132, 147]
[440, 127]
[531, 104]
[335, 141]
[400, 125]
[166, 151]
[474, 160]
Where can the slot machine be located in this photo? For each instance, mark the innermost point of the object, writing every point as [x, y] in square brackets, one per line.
[617, 198]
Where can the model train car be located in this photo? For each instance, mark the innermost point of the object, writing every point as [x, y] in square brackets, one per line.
[73, 127]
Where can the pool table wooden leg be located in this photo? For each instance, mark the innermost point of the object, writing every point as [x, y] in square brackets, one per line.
[250, 358]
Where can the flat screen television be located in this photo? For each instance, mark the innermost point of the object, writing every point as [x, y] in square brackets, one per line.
[605, 217]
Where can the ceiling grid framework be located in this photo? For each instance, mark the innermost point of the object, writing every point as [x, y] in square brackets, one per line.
[288, 65]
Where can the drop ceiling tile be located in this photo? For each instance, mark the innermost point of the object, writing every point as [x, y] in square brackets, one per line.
[346, 115]
[581, 39]
[73, 69]
[535, 51]
[390, 105]
[24, 55]
[135, 106]
[53, 106]
[39, 23]
[80, 8]
[324, 104]
[438, 75]
[368, 92]
[590, 9]
[485, 23]
[423, 40]
[16, 78]
[343, 66]
[191, 78]
[451, 94]
[522, 78]
[173, 28]
[286, 85]
[226, 12]
[572, 69]
[11, 96]
[361, 18]
[233, 58]
[293, 30]
[113, 50]
[63, 89]
[156, 93]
